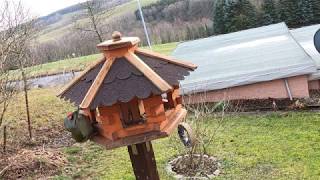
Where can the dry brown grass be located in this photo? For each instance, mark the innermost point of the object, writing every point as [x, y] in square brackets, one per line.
[40, 156]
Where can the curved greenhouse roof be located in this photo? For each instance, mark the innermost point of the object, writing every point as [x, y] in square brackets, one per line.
[305, 36]
[245, 57]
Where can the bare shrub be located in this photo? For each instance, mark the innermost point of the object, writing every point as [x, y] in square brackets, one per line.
[197, 160]
[16, 27]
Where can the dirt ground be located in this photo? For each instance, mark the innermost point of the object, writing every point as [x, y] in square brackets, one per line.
[38, 158]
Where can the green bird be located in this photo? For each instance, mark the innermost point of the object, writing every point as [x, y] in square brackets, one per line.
[79, 125]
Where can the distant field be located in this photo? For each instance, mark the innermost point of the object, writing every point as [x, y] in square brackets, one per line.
[80, 63]
[57, 30]
[130, 7]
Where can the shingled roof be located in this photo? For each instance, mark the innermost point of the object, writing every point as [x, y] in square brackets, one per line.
[126, 72]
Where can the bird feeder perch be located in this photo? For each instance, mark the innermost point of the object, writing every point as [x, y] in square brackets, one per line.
[131, 97]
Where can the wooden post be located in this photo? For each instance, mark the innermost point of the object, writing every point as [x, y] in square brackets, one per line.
[143, 161]
[4, 138]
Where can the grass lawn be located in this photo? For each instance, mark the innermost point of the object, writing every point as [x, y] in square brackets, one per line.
[80, 63]
[273, 146]
[263, 146]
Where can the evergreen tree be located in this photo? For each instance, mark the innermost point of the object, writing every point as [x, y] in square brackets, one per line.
[289, 12]
[219, 17]
[240, 15]
[315, 4]
[269, 13]
[305, 12]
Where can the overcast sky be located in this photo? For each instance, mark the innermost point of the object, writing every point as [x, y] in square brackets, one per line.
[45, 7]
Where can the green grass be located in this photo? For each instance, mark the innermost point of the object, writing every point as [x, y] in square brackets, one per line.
[274, 146]
[262, 146]
[45, 108]
[81, 63]
[166, 49]
[67, 65]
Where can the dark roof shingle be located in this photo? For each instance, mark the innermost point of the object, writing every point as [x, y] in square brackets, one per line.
[79, 90]
[169, 72]
[124, 81]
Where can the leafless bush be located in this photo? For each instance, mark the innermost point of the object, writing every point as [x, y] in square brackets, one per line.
[7, 44]
[200, 115]
[16, 27]
[7, 91]
[204, 134]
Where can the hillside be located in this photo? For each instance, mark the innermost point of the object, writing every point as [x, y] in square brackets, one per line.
[167, 21]
[75, 9]
[58, 38]
[55, 25]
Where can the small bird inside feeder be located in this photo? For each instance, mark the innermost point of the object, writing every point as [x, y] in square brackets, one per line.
[129, 96]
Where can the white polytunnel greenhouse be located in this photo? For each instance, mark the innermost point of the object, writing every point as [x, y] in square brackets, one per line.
[304, 37]
[246, 57]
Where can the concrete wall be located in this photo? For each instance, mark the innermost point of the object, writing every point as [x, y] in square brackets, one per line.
[314, 85]
[264, 90]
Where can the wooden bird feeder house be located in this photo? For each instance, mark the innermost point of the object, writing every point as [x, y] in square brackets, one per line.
[131, 97]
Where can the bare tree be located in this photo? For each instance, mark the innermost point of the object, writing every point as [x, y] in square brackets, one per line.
[94, 13]
[7, 91]
[17, 27]
[6, 45]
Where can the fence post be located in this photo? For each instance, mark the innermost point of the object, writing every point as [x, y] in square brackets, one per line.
[4, 138]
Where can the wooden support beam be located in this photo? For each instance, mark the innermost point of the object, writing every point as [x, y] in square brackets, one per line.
[143, 161]
[148, 72]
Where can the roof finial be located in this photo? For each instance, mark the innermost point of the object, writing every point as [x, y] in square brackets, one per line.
[116, 36]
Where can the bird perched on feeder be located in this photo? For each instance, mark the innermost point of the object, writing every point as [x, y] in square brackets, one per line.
[79, 126]
[130, 96]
